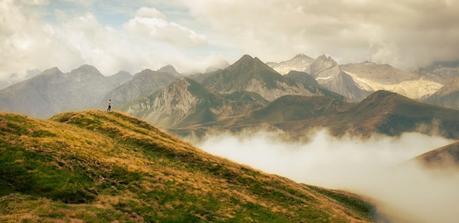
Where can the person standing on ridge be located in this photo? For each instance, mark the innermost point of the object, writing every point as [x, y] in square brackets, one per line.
[109, 108]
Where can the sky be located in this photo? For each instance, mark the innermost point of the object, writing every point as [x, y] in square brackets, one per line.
[133, 35]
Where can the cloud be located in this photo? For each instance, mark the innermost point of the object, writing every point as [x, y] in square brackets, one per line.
[151, 23]
[146, 12]
[191, 34]
[377, 168]
[405, 33]
[147, 40]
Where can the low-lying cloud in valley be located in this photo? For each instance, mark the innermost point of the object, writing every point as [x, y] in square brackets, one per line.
[379, 168]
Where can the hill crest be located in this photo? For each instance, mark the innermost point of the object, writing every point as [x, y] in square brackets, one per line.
[96, 166]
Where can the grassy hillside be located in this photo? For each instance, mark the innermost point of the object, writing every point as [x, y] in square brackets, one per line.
[100, 167]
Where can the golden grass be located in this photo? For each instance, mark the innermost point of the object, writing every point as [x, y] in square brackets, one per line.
[104, 142]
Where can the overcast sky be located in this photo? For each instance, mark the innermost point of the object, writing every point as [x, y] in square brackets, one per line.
[132, 35]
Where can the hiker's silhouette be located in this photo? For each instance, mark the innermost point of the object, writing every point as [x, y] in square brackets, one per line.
[109, 108]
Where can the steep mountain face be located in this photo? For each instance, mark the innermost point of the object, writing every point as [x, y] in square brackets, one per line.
[443, 157]
[372, 77]
[106, 167]
[447, 96]
[252, 75]
[382, 112]
[300, 62]
[321, 64]
[53, 91]
[343, 84]
[141, 85]
[173, 104]
[329, 74]
[186, 102]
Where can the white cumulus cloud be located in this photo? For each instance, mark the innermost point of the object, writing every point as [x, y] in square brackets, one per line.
[151, 23]
[404, 33]
[147, 40]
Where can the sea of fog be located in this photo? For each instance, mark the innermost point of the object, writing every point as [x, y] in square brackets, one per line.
[380, 168]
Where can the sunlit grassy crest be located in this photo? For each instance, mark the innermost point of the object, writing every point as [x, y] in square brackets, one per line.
[99, 167]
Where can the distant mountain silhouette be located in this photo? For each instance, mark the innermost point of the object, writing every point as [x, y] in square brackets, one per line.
[53, 91]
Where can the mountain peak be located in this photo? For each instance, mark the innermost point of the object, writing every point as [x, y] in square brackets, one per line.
[301, 56]
[383, 94]
[86, 69]
[247, 62]
[321, 64]
[381, 97]
[325, 58]
[246, 57]
[168, 69]
[146, 71]
[52, 70]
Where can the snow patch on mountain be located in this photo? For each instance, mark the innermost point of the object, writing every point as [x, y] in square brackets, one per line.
[415, 89]
[300, 62]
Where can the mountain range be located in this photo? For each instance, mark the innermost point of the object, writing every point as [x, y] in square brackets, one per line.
[382, 112]
[97, 166]
[53, 91]
[94, 166]
[359, 79]
[205, 99]
[248, 93]
[252, 75]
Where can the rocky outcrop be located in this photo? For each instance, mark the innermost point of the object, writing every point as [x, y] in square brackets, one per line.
[186, 102]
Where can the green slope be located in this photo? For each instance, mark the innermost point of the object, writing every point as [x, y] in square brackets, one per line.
[100, 167]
